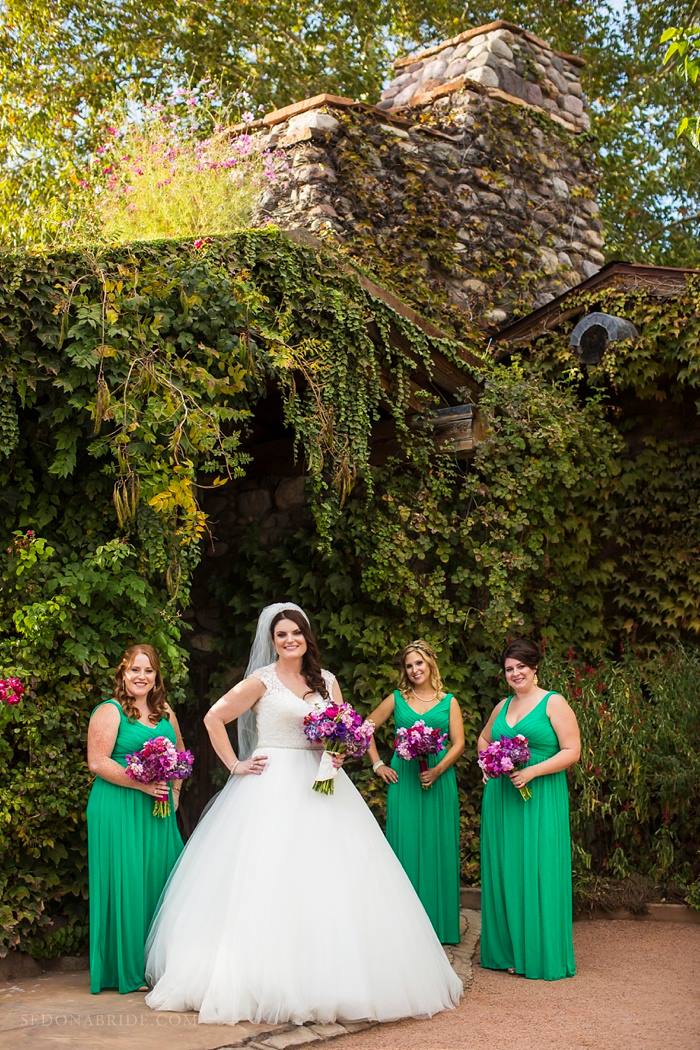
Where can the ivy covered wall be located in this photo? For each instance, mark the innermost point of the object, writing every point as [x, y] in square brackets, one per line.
[135, 390]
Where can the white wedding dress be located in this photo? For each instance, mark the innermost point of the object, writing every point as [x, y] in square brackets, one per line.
[290, 906]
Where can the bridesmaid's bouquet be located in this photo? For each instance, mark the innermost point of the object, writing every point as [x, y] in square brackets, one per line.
[419, 741]
[341, 730]
[159, 759]
[502, 756]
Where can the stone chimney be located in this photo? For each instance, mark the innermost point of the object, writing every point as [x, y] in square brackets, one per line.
[469, 190]
[500, 56]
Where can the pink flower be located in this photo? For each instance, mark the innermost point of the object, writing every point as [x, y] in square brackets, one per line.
[84, 184]
[111, 131]
[11, 690]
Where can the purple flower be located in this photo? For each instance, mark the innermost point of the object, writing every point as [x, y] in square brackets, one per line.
[418, 740]
[503, 756]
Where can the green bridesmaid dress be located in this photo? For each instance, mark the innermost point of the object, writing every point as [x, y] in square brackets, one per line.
[130, 856]
[526, 906]
[422, 826]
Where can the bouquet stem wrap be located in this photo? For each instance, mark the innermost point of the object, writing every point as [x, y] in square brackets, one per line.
[327, 772]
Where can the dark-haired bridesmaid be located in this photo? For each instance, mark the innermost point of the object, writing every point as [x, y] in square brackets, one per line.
[131, 852]
[526, 896]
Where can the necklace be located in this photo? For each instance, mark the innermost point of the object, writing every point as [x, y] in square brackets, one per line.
[430, 700]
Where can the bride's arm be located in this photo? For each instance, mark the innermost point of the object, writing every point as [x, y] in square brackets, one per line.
[232, 705]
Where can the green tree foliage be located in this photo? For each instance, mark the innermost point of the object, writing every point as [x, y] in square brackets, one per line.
[683, 56]
[63, 63]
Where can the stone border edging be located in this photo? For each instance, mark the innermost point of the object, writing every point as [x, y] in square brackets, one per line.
[656, 911]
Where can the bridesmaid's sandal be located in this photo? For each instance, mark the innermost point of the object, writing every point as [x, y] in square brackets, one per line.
[511, 971]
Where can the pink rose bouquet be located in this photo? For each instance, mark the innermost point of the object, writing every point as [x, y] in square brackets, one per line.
[503, 756]
[159, 759]
[341, 730]
[418, 741]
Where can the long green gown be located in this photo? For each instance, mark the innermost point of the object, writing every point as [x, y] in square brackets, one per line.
[131, 853]
[526, 907]
[422, 826]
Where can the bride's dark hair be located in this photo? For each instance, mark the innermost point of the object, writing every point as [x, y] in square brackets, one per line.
[311, 660]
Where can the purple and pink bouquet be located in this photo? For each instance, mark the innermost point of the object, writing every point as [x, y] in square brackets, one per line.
[159, 759]
[504, 756]
[11, 690]
[341, 730]
[419, 741]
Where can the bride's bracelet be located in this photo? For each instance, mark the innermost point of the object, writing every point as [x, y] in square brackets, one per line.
[377, 764]
[234, 767]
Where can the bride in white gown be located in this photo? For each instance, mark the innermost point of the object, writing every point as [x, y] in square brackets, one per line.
[288, 905]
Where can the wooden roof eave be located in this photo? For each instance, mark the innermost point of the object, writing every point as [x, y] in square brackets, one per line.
[661, 281]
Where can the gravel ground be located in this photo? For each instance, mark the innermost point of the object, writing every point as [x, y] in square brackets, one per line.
[637, 988]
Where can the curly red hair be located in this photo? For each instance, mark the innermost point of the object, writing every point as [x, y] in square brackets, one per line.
[157, 703]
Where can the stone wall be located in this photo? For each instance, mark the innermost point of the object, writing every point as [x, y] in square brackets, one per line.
[499, 55]
[272, 506]
[469, 191]
[473, 211]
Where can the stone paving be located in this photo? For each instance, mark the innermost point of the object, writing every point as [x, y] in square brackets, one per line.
[49, 1011]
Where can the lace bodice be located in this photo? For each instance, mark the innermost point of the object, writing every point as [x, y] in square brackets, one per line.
[280, 713]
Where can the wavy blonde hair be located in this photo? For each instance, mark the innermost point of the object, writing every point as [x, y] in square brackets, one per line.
[156, 698]
[430, 656]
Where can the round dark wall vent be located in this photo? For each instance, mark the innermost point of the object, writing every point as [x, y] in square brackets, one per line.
[592, 334]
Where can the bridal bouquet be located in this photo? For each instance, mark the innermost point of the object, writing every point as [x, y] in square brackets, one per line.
[341, 730]
[419, 741]
[502, 756]
[159, 759]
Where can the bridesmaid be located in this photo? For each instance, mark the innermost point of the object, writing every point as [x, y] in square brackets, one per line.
[422, 826]
[526, 906]
[130, 851]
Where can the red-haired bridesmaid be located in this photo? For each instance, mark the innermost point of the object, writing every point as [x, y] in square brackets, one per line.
[131, 852]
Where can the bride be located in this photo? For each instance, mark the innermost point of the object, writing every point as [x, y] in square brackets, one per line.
[288, 905]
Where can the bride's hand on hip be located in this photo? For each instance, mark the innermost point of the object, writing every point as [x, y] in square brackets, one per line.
[255, 765]
[387, 774]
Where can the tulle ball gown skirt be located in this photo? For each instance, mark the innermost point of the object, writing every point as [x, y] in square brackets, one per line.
[289, 906]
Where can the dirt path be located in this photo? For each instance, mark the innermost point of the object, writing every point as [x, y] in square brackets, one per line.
[637, 988]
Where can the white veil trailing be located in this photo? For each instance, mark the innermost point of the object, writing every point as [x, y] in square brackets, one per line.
[262, 653]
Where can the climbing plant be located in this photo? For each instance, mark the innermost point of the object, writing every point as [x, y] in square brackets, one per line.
[128, 382]
[128, 386]
[648, 388]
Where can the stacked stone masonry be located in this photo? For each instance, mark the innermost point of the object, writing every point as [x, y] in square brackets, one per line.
[501, 57]
[473, 198]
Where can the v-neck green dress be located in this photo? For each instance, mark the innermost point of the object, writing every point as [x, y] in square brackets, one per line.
[526, 898]
[130, 856]
[422, 826]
